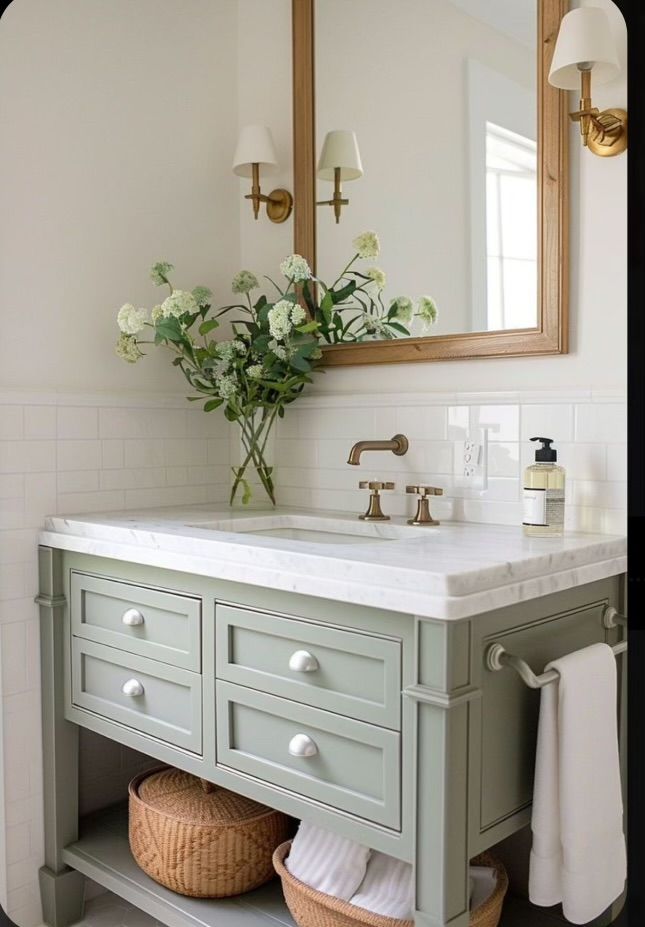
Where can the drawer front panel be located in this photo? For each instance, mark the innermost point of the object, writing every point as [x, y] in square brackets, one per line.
[349, 765]
[156, 624]
[150, 697]
[353, 674]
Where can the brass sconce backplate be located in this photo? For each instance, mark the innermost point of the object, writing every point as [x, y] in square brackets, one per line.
[614, 140]
[279, 205]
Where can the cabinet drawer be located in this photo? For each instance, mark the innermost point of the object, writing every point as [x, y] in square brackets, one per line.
[350, 673]
[163, 701]
[153, 623]
[352, 766]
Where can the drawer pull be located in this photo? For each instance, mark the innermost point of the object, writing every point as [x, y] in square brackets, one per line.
[302, 745]
[133, 688]
[303, 662]
[132, 618]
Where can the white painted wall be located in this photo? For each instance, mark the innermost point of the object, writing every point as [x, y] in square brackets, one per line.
[117, 122]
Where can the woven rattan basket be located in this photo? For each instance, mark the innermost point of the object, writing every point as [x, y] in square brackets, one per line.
[310, 908]
[199, 840]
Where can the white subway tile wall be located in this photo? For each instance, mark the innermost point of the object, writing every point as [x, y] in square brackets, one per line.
[589, 430]
[77, 454]
[94, 453]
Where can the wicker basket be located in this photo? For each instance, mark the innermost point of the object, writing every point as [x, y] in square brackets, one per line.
[199, 840]
[311, 908]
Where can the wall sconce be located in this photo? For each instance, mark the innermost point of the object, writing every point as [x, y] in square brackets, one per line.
[340, 160]
[585, 44]
[255, 150]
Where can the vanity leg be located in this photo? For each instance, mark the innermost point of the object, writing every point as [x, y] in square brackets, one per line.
[441, 707]
[61, 888]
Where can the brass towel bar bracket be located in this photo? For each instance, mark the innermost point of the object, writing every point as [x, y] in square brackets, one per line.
[497, 657]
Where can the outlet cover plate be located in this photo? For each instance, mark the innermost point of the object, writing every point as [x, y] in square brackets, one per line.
[470, 472]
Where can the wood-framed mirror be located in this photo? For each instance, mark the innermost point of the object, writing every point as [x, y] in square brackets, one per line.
[470, 202]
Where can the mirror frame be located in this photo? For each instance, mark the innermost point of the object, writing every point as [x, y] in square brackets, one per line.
[551, 334]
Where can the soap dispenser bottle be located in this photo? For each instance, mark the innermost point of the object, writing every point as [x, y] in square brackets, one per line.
[544, 493]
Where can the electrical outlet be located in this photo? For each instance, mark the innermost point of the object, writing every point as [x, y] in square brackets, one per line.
[470, 470]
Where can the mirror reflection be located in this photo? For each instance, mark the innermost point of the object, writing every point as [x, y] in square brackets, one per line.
[452, 190]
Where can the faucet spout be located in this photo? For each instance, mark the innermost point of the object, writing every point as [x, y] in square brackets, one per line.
[398, 445]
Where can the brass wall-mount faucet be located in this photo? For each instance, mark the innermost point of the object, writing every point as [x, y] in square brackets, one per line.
[398, 445]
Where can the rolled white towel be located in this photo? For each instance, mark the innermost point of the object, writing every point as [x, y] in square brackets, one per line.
[327, 862]
[483, 881]
[387, 888]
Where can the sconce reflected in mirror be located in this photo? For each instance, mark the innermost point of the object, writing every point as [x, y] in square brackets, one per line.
[585, 45]
[255, 150]
[340, 160]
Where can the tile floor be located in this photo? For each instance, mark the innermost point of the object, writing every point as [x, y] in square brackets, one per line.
[108, 910]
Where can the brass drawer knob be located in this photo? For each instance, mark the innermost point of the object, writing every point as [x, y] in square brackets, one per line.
[132, 688]
[302, 745]
[303, 662]
[423, 516]
[132, 618]
[374, 511]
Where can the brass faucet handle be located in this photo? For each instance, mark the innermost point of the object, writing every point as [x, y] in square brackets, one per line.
[424, 491]
[423, 516]
[374, 511]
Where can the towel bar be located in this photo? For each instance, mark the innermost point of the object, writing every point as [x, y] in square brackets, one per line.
[497, 657]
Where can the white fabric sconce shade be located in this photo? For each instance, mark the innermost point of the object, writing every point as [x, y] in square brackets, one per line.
[584, 43]
[340, 150]
[254, 146]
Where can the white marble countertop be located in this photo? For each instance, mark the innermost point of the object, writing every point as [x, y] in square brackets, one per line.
[448, 572]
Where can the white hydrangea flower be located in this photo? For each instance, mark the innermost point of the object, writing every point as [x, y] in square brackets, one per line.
[178, 304]
[202, 296]
[255, 371]
[279, 350]
[131, 320]
[427, 311]
[227, 387]
[374, 325]
[295, 268]
[377, 276]
[244, 282]
[127, 348]
[279, 317]
[226, 350]
[316, 354]
[403, 309]
[156, 313]
[160, 272]
[367, 245]
[298, 315]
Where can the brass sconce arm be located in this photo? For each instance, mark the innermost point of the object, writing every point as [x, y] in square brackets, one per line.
[279, 202]
[337, 200]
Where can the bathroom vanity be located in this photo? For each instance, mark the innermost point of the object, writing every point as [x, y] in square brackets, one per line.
[332, 669]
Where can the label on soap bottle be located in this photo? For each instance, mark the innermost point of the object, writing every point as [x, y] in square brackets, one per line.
[535, 507]
[543, 507]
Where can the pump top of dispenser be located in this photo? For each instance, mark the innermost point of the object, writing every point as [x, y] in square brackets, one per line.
[546, 453]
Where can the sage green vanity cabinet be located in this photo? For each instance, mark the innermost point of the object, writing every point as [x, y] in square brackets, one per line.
[385, 727]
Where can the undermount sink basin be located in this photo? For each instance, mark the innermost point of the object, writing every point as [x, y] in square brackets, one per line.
[313, 529]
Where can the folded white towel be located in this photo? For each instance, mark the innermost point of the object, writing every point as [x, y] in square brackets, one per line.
[483, 881]
[578, 855]
[327, 862]
[387, 888]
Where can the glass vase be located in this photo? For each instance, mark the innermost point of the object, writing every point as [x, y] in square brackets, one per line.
[253, 472]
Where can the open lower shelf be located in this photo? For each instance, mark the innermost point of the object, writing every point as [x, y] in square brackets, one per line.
[103, 853]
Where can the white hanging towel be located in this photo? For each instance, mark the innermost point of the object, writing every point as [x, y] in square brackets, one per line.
[578, 855]
[327, 862]
[387, 888]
